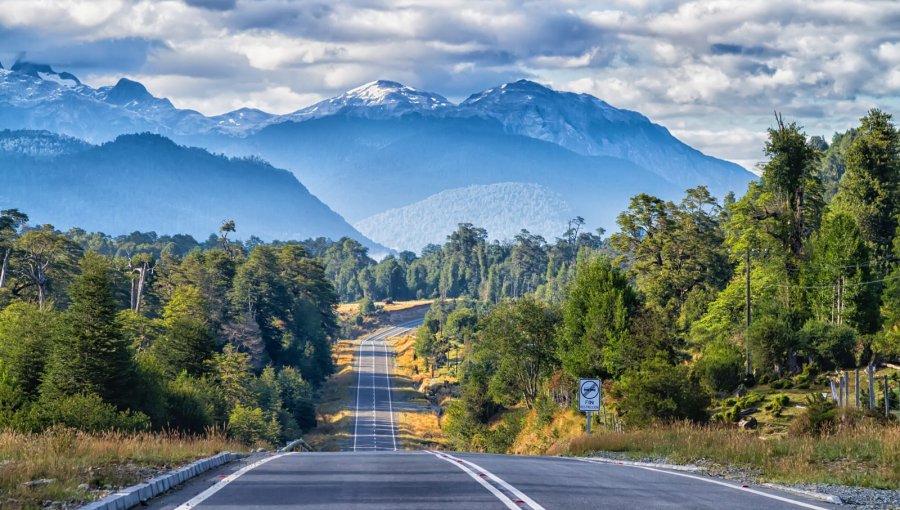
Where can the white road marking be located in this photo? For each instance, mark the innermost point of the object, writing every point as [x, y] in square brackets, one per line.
[358, 386]
[519, 494]
[493, 490]
[387, 374]
[723, 484]
[203, 496]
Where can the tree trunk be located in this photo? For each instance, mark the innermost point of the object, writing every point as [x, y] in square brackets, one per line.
[142, 272]
[3, 266]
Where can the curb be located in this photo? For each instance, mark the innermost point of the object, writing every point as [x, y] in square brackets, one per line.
[828, 498]
[135, 495]
[672, 467]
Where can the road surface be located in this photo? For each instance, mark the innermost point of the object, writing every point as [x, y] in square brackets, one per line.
[374, 474]
[374, 419]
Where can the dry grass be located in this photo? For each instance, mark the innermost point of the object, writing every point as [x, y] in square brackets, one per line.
[396, 306]
[418, 425]
[102, 461]
[334, 401]
[867, 455]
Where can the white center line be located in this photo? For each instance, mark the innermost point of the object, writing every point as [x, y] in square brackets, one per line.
[358, 386]
[387, 376]
[519, 494]
[493, 490]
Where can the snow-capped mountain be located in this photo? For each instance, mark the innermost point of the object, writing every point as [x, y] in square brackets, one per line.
[375, 100]
[587, 125]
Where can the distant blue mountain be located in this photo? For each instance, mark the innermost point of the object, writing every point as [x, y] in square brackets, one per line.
[385, 145]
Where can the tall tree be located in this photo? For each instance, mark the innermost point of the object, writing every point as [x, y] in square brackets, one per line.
[92, 355]
[869, 189]
[10, 221]
[42, 253]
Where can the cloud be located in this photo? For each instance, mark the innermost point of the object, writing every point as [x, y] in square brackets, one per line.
[711, 70]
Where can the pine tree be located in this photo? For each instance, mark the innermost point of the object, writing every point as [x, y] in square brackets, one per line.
[92, 356]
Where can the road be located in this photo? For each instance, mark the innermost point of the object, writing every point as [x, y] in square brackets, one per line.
[374, 419]
[375, 474]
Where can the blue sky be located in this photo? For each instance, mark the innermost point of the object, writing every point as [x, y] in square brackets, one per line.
[711, 71]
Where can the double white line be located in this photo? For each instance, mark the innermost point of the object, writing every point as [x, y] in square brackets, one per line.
[479, 474]
[387, 374]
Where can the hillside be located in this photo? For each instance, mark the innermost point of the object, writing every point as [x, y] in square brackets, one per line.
[146, 182]
[502, 209]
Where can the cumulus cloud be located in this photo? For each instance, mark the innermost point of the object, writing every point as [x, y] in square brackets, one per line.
[713, 71]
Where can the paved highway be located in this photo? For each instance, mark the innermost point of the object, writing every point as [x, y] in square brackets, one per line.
[374, 475]
[374, 419]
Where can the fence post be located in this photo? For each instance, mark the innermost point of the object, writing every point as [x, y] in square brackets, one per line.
[887, 398]
[871, 387]
[857, 387]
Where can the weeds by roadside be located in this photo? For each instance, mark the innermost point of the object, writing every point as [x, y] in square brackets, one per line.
[61, 464]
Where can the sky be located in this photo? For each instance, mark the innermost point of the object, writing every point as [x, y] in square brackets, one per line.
[713, 72]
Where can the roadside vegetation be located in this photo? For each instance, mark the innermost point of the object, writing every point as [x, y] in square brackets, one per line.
[64, 465]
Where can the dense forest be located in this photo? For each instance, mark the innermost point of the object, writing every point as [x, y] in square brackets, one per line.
[147, 331]
[812, 248]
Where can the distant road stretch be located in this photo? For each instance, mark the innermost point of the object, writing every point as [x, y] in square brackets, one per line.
[374, 475]
[374, 419]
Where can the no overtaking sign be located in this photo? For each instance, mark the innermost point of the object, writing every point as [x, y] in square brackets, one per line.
[589, 394]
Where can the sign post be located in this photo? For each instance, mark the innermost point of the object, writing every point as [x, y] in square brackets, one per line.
[589, 397]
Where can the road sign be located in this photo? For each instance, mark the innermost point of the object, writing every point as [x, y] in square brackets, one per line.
[589, 394]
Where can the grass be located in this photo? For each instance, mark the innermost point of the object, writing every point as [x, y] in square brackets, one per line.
[418, 425]
[866, 455]
[333, 401]
[102, 461]
[396, 306]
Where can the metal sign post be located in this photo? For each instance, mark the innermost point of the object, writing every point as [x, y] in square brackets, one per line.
[589, 397]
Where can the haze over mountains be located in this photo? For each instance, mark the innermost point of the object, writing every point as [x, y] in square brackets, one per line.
[385, 146]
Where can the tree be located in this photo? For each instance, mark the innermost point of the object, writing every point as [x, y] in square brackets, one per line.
[659, 391]
[141, 267]
[595, 338]
[518, 340]
[43, 252]
[92, 355]
[10, 221]
[868, 191]
[187, 345]
[27, 334]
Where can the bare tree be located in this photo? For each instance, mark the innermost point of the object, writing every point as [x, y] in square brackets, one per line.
[10, 221]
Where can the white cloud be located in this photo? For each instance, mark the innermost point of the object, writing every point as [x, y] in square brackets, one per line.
[711, 70]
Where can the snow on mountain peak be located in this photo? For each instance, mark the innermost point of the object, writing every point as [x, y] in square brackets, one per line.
[377, 99]
[46, 73]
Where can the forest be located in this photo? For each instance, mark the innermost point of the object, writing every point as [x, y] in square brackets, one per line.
[160, 333]
[685, 303]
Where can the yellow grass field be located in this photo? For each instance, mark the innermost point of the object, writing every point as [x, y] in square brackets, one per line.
[52, 465]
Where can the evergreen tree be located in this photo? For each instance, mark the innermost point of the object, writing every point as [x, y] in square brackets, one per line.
[92, 355]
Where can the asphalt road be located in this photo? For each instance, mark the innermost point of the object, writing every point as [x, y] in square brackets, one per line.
[374, 475]
[382, 480]
[374, 418]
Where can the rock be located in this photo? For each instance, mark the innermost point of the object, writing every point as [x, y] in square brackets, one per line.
[84, 487]
[748, 423]
[41, 481]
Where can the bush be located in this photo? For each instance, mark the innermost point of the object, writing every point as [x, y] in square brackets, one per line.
[720, 366]
[252, 426]
[366, 306]
[833, 345]
[658, 391]
[777, 404]
[820, 416]
[83, 411]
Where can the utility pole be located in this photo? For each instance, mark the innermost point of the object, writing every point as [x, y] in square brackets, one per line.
[747, 334]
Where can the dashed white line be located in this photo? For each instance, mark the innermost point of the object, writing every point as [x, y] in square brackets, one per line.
[387, 376]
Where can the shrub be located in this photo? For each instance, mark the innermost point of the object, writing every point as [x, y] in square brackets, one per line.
[720, 366]
[658, 391]
[83, 411]
[820, 416]
[366, 306]
[777, 404]
[832, 344]
[252, 426]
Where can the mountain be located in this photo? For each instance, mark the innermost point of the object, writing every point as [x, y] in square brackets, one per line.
[384, 145]
[503, 209]
[586, 125]
[147, 182]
